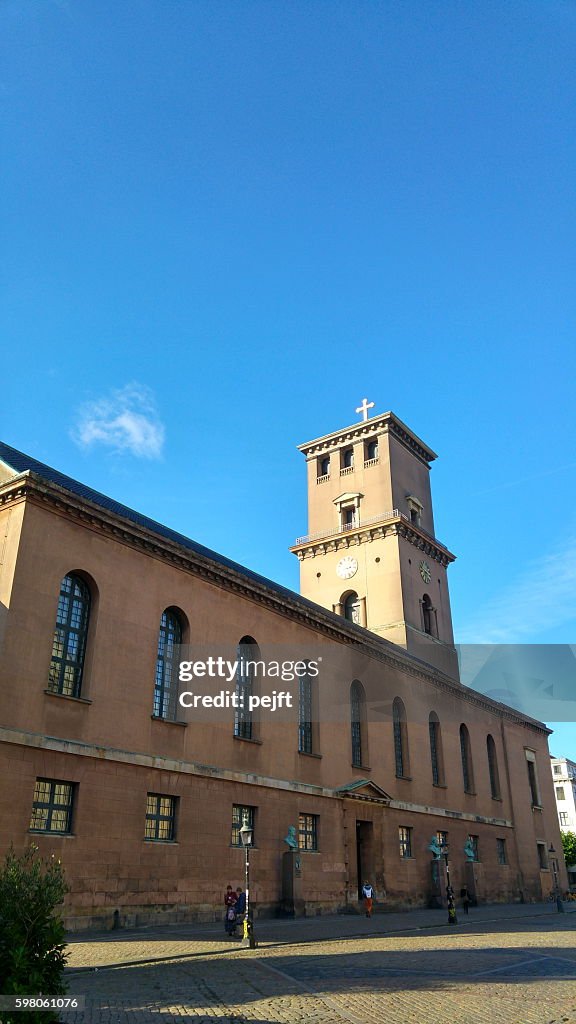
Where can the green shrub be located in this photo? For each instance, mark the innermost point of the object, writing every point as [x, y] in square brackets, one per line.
[569, 847]
[32, 943]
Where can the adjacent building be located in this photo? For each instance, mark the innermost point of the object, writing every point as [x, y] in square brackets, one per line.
[564, 779]
[383, 753]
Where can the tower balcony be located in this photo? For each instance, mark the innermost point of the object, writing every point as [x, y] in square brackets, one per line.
[393, 518]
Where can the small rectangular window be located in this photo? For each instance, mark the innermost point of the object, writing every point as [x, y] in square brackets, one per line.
[542, 856]
[563, 817]
[560, 793]
[557, 769]
[308, 831]
[160, 818]
[405, 841]
[52, 806]
[501, 851]
[239, 812]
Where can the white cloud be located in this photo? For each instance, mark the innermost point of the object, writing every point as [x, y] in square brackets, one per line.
[126, 420]
[544, 596]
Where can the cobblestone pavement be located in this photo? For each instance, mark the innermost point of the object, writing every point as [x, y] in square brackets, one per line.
[515, 971]
[172, 941]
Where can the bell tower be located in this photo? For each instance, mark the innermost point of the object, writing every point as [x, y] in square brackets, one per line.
[371, 554]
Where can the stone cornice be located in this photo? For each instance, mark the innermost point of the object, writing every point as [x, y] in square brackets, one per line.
[158, 761]
[284, 602]
[13, 492]
[396, 526]
[138, 759]
[442, 812]
[372, 428]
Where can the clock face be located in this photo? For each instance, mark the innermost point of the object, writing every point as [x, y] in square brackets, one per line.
[347, 567]
[425, 572]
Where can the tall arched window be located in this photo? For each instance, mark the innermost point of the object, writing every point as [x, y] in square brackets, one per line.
[70, 634]
[436, 752]
[248, 655]
[493, 768]
[324, 466]
[371, 450]
[348, 458]
[466, 755]
[401, 756]
[358, 723]
[429, 616]
[167, 659]
[352, 607]
[305, 715]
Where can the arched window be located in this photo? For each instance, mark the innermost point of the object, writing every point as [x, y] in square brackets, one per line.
[305, 715]
[401, 757]
[352, 607]
[248, 655]
[493, 768]
[348, 458]
[358, 723]
[466, 755]
[429, 616]
[436, 753]
[167, 660]
[371, 450]
[324, 466]
[70, 634]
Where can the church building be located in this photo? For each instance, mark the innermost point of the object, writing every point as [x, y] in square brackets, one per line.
[379, 762]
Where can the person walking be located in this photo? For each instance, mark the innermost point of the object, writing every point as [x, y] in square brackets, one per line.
[466, 901]
[368, 894]
[239, 907]
[230, 910]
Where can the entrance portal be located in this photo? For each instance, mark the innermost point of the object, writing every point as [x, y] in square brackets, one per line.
[364, 854]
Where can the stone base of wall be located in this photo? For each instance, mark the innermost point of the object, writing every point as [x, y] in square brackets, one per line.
[80, 919]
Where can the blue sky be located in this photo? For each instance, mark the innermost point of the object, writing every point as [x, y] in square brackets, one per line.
[225, 223]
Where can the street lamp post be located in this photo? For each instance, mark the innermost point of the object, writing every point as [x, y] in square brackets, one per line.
[452, 919]
[557, 893]
[246, 835]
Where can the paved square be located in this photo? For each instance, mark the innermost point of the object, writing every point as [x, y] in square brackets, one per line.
[518, 971]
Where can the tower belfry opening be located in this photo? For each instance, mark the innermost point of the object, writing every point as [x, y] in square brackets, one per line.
[371, 552]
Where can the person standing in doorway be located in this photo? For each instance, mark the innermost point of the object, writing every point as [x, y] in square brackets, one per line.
[368, 895]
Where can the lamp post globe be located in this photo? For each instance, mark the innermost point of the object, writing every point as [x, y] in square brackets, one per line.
[246, 833]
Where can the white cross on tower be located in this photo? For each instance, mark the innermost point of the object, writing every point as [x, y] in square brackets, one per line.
[364, 408]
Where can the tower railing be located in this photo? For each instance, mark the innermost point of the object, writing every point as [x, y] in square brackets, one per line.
[370, 521]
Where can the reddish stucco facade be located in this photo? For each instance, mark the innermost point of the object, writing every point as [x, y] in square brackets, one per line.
[109, 746]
